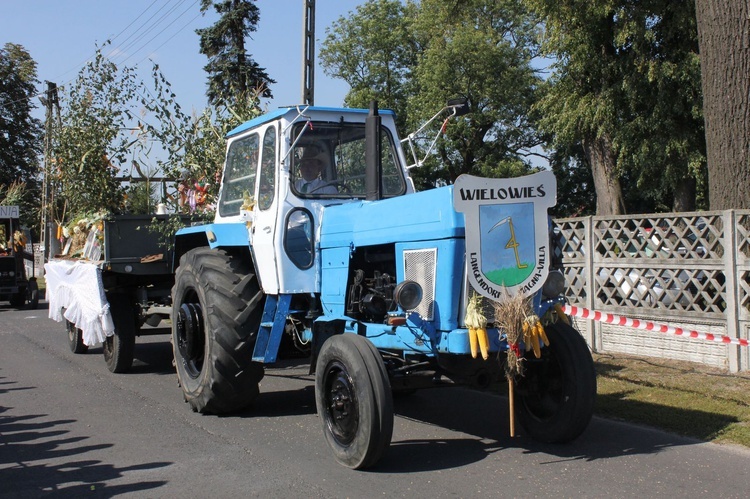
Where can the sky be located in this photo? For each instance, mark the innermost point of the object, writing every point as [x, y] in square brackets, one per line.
[62, 35]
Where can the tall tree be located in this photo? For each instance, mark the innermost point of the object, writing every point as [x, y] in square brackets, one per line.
[233, 75]
[480, 50]
[375, 51]
[20, 133]
[724, 35]
[626, 87]
[111, 121]
[415, 56]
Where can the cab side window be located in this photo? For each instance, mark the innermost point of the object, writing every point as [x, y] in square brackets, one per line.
[239, 175]
[267, 180]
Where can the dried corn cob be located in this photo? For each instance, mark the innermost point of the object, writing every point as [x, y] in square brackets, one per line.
[477, 323]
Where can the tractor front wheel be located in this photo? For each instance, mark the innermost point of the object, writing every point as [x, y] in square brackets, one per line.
[353, 397]
[556, 394]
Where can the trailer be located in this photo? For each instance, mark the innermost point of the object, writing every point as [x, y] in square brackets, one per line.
[15, 286]
[123, 282]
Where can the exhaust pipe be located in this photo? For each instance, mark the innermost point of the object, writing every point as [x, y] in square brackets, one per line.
[373, 165]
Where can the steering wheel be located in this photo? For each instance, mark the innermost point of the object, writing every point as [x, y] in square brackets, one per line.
[339, 184]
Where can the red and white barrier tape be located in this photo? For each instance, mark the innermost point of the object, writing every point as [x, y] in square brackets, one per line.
[618, 320]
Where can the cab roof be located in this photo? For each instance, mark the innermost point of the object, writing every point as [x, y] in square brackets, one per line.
[278, 113]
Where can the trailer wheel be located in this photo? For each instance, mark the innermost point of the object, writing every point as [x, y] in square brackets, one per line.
[75, 338]
[33, 295]
[119, 348]
[557, 392]
[216, 313]
[353, 397]
[18, 300]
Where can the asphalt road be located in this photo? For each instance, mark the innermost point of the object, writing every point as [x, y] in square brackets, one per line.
[70, 428]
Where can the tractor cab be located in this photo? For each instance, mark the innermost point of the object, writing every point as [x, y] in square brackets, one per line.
[284, 168]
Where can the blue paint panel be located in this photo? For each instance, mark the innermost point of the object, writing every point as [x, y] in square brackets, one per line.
[228, 234]
[334, 263]
[413, 217]
[271, 328]
[413, 340]
[260, 120]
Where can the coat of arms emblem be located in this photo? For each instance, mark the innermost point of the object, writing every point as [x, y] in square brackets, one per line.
[507, 240]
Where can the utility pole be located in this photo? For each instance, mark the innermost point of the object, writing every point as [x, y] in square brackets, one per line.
[308, 53]
[51, 103]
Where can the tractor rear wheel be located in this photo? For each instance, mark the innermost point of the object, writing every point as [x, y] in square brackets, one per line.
[216, 313]
[353, 397]
[556, 394]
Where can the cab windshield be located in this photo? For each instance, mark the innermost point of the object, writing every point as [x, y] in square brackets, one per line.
[329, 161]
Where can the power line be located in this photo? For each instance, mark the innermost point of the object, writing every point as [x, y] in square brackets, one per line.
[148, 28]
[89, 58]
[148, 25]
[175, 34]
[167, 26]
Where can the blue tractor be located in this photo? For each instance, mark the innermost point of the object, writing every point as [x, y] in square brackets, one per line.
[321, 241]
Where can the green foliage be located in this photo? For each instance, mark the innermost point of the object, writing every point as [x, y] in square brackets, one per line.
[415, 57]
[628, 71]
[90, 139]
[20, 133]
[375, 51]
[111, 121]
[232, 73]
[139, 198]
[204, 147]
[13, 194]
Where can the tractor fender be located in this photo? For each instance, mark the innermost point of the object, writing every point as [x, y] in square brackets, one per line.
[213, 235]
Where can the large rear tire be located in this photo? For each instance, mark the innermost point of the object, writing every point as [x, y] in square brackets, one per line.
[216, 313]
[353, 397]
[120, 347]
[556, 395]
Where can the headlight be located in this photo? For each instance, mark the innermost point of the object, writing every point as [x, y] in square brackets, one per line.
[408, 295]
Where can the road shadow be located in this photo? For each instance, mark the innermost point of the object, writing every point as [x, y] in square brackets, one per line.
[6, 307]
[153, 358]
[484, 421]
[38, 457]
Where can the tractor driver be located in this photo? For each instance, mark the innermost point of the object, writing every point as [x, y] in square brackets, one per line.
[310, 167]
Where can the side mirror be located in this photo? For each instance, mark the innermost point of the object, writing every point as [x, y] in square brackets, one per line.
[460, 106]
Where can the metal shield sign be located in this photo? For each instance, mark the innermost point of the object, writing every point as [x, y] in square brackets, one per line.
[507, 240]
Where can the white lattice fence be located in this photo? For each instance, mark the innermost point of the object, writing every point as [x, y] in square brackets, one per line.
[685, 269]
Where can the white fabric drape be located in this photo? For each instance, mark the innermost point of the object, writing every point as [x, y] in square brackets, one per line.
[77, 288]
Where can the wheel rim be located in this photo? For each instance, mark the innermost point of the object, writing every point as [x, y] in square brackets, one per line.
[342, 414]
[191, 338]
[546, 388]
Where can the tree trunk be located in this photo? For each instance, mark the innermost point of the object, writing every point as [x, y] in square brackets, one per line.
[684, 195]
[724, 41]
[609, 200]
